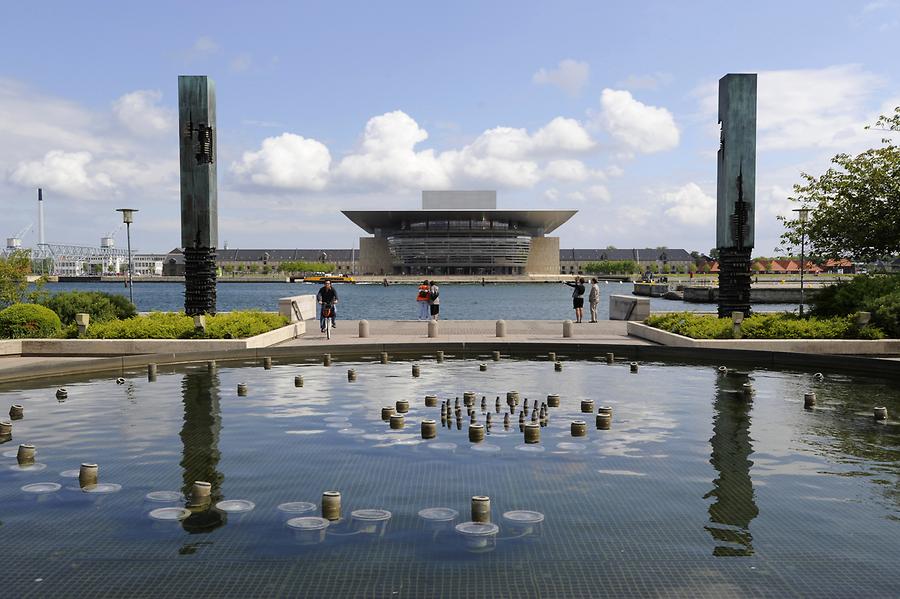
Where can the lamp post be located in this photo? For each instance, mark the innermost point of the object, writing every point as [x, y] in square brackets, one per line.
[803, 214]
[128, 218]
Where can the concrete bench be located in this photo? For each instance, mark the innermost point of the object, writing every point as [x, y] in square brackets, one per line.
[628, 307]
[298, 308]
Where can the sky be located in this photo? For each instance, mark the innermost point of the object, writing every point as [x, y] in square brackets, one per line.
[606, 108]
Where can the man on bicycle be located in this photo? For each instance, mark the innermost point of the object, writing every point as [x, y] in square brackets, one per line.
[327, 298]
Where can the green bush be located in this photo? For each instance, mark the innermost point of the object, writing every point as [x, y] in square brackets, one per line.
[849, 297]
[168, 325]
[886, 313]
[102, 307]
[21, 321]
[764, 326]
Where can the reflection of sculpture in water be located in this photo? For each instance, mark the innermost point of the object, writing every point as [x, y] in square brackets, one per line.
[200, 447]
[733, 507]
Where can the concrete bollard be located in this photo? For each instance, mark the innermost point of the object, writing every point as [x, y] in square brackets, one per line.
[468, 398]
[200, 491]
[605, 410]
[736, 319]
[587, 406]
[267, 363]
[476, 433]
[16, 412]
[439, 356]
[429, 429]
[604, 421]
[415, 370]
[532, 433]
[26, 454]
[402, 406]
[211, 365]
[482, 367]
[82, 321]
[578, 428]
[397, 421]
[500, 328]
[5, 430]
[151, 372]
[880, 413]
[610, 357]
[298, 381]
[432, 329]
[568, 328]
[557, 366]
[242, 389]
[88, 475]
[326, 359]
[62, 394]
[387, 412]
[431, 401]
[809, 400]
[481, 509]
[634, 366]
[553, 400]
[351, 375]
[384, 357]
[551, 356]
[331, 505]
[495, 356]
[363, 329]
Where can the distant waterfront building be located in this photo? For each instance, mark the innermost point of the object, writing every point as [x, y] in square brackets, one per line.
[459, 233]
[574, 261]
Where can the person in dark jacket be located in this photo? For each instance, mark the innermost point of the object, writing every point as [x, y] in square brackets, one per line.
[577, 297]
[327, 298]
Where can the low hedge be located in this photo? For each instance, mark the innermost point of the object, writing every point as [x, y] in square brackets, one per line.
[169, 325]
[101, 306]
[21, 321]
[764, 326]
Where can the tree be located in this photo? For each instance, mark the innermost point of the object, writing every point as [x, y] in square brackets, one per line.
[854, 206]
[14, 270]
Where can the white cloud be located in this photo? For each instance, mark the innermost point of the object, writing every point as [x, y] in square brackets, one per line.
[240, 63]
[203, 47]
[598, 193]
[387, 156]
[570, 76]
[288, 161]
[577, 196]
[551, 194]
[690, 205]
[637, 126]
[140, 112]
[567, 170]
[649, 81]
[65, 172]
[809, 108]
[561, 135]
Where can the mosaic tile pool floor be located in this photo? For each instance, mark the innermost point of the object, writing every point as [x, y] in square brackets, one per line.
[695, 491]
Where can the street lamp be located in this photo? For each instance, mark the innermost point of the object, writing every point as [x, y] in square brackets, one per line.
[128, 218]
[803, 214]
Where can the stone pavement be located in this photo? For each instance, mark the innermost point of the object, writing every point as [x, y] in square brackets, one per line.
[399, 331]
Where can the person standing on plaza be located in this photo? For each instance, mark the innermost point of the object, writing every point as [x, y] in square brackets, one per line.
[594, 299]
[423, 300]
[327, 298]
[434, 299]
[577, 297]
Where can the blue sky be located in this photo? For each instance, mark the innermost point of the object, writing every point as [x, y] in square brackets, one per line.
[605, 108]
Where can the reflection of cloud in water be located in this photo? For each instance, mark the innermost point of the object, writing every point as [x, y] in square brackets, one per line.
[622, 472]
[306, 432]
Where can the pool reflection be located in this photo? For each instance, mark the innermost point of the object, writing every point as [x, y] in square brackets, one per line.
[733, 507]
[200, 447]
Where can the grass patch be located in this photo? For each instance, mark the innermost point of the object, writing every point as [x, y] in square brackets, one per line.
[170, 325]
[764, 326]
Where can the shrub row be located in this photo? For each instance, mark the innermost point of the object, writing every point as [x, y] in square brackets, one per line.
[878, 294]
[764, 326]
[168, 325]
[101, 306]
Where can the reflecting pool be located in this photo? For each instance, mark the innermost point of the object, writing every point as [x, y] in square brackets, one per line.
[705, 483]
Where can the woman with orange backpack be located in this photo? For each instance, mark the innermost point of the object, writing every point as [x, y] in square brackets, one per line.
[422, 297]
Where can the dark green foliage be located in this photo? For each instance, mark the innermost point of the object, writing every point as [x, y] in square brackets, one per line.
[886, 313]
[849, 297]
[167, 325]
[21, 321]
[763, 326]
[101, 306]
[611, 267]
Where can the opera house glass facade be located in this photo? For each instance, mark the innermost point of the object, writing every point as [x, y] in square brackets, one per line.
[459, 241]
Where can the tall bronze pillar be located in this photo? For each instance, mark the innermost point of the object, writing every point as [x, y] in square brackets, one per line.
[736, 191]
[199, 198]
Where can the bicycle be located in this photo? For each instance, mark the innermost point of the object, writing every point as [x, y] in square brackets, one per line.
[327, 312]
